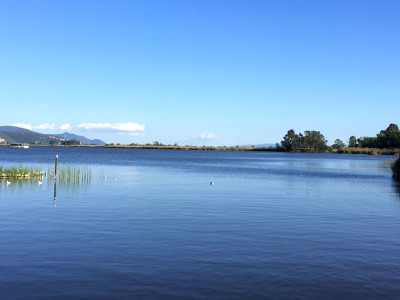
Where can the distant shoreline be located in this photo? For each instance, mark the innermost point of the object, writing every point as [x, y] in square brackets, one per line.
[204, 148]
[346, 150]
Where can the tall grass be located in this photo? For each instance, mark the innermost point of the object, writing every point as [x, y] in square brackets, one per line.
[74, 175]
[369, 151]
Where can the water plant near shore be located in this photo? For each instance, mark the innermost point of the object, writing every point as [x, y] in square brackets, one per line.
[65, 174]
[72, 174]
[18, 172]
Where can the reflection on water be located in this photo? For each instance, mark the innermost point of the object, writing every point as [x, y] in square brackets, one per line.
[68, 179]
[40, 183]
[396, 186]
[20, 183]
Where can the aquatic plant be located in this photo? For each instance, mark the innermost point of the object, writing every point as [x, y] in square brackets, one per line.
[72, 174]
[18, 172]
[396, 168]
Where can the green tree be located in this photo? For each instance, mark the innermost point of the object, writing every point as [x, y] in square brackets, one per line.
[338, 144]
[53, 142]
[352, 141]
[367, 142]
[291, 141]
[314, 141]
[389, 138]
[71, 142]
[393, 127]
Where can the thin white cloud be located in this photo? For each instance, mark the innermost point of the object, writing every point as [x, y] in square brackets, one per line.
[208, 136]
[65, 127]
[129, 126]
[21, 125]
[45, 126]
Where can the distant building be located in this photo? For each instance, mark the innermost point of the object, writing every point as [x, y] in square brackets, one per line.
[57, 138]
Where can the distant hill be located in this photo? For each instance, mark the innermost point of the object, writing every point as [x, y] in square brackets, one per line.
[70, 136]
[12, 134]
[14, 128]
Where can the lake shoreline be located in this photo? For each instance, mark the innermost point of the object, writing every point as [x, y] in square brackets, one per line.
[368, 151]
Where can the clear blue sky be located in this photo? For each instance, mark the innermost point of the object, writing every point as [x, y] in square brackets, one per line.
[200, 72]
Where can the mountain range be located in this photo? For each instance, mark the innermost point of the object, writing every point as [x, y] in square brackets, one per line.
[13, 134]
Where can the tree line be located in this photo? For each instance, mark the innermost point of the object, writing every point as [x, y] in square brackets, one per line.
[388, 138]
[314, 141]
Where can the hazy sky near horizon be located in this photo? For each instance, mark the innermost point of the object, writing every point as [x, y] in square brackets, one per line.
[200, 72]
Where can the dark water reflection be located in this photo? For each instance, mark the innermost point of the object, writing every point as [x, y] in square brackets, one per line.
[396, 186]
[274, 226]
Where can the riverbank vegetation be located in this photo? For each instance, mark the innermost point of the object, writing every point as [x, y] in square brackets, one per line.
[385, 139]
[369, 151]
[386, 142]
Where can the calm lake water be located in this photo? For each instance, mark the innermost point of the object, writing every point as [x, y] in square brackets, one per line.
[273, 226]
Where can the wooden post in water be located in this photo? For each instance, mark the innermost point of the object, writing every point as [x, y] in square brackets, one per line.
[55, 171]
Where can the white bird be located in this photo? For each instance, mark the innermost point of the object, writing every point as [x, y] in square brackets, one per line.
[105, 178]
[8, 182]
[40, 182]
[115, 178]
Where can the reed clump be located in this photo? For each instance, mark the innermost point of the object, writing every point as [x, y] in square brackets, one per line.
[72, 174]
[19, 172]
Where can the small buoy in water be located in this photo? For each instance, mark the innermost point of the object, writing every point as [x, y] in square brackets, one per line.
[105, 178]
[40, 182]
[115, 178]
[211, 182]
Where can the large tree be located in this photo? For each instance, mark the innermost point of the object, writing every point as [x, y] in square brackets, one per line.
[389, 138]
[367, 142]
[352, 141]
[291, 141]
[338, 144]
[314, 141]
